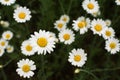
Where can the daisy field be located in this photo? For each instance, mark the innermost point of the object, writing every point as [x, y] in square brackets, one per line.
[59, 39]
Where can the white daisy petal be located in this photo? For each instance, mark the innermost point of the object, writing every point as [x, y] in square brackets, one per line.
[108, 32]
[7, 35]
[7, 2]
[9, 49]
[3, 43]
[26, 69]
[60, 25]
[108, 22]
[81, 24]
[27, 48]
[91, 6]
[112, 45]
[67, 36]
[1, 51]
[117, 2]
[97, 26]
[65, 18]
[42, 42]
[22, 14]
[77, 57]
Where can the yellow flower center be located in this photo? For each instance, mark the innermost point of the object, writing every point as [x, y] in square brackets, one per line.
[82, 24]
[66, 36]
[0, 51]
[112, 45]
[22, 15]
[98, 27]
[107, 23]
[95, 13]
[28, 47]
[9, 48]
[2, 43]
[60, 25]
[90, 5]
[6, 0]
[42, 42]
[7, 36]
[26, 68]
[64, 19]
[108, 33]
[77, 58]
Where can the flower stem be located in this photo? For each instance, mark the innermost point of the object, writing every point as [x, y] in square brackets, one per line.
[8, 63]
[70, 5]
[61, 5]
[43, 67]
[90, 73]
[101, 70]
[4, 75]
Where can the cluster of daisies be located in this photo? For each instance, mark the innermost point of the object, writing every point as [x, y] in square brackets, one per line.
[98, 26]
[77, 57]
[43, 42]
[92, 7]
[21, 14]
[65, 35]
[4, 42]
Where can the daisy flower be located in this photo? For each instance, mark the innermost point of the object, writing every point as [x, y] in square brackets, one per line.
[16, 6]
[7, 35]
[95, 14]
[67, 36]
[91, 6]
[112, 45]
[22, 14]
[117, 2]
[1, 51]
[25, 68]
[54, 36]
[7, 2]
[76, 70]
[60, 25]
[97, 26]
[18, 35]
[108, 22]
[4, 24]
[42, 42]
[77, 57]
[27, 49]
[108, 32]
[3, 43]
[9, 49]
[65, 18]
[81, 24]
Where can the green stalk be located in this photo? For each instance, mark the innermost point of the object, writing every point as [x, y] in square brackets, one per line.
[4, 75]
[8, 63]
[90, 73]
[70, 5]
[43, 67]
[61, 5]
[102, 70]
